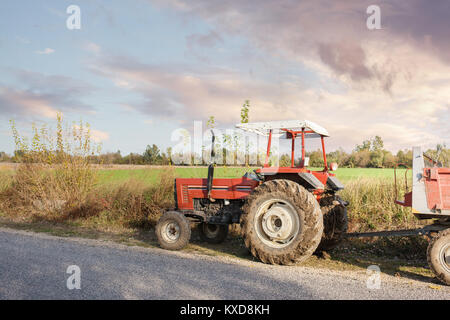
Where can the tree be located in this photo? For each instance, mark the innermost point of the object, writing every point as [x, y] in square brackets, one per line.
[152, 155]
[364, 146]
[4, 157]
[285, 161]
[405, 157]
[389, 160]
[377, 143]
[244, 111]
[376, 159]
[315, 158]
[244, 119]
[169, 155]
[362, 158]
[211, 122]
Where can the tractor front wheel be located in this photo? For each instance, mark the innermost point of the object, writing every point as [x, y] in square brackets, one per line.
[438, 255]
[173, 231]
[281, 222]
[213, 233]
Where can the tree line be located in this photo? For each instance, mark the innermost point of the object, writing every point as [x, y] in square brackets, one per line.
[369, 154]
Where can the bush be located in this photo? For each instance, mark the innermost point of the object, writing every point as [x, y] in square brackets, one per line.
[54, 178]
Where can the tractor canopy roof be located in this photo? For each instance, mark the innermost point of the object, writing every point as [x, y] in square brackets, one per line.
[277, 127]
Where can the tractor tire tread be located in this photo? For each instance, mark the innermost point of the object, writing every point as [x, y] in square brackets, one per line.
[433, 256]
[312, 222]
[335, 223]
[185, 231]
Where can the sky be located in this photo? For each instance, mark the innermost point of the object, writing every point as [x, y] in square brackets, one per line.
[138, 70]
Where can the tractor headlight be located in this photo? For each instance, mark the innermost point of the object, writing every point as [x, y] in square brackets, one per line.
[333, 166]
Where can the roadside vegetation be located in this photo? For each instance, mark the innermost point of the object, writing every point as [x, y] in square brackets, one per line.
[55, 181]
[56, 187]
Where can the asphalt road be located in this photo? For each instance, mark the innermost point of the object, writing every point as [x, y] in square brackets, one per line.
[34, 266]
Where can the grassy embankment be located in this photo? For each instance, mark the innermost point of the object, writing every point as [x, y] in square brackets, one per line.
[125, 204]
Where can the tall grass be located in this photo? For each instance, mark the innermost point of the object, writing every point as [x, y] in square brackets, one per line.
[55, 182]
[134, 203]
[372, 206]
[54, 178]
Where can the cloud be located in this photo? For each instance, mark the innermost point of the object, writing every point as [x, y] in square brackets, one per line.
[93, 47]
[42, 95]
[99, 136]
[345, 58]
[46, 51]
[23, 40]
[168, 93]
[208, 40]
[96, 135]
[328, 35]
[16, 102]
[390, 82]
[410, 117]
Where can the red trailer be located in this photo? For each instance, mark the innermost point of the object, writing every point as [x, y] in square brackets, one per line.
[429, 198]
[430, 194]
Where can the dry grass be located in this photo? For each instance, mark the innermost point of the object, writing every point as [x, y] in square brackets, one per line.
[53, 192]
[372, 206]
[70, 192]
[135, 204]
[54, 179]
[55, 182]
[43, 194]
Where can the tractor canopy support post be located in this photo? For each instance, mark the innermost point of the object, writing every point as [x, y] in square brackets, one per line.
[293, 150]
[303, 147]
[266, 163]
[324, 154]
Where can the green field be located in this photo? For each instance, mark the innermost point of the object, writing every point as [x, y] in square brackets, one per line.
[151, 175]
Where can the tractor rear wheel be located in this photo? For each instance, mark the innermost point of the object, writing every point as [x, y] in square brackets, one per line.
[335, 222]
[213, 233]
[173, 231]
[281, 222]
[438, 255]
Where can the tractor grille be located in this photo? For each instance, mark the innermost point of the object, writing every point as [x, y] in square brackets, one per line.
[184, 191]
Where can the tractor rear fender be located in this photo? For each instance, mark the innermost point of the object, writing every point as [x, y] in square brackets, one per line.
[334, 184]
[310, 181]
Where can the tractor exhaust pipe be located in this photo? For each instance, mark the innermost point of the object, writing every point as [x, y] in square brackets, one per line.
[211, 169]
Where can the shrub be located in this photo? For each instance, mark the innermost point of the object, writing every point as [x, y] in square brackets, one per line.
[54, 178]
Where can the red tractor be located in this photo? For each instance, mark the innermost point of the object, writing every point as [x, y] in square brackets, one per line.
[285, 213]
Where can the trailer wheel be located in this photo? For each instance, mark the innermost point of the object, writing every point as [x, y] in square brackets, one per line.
[438, 255]
[281, 222]
[335, 223]
[213, 233]
[173, 231]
